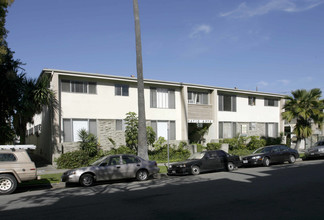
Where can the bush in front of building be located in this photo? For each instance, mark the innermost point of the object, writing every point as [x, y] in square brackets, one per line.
[255, 142]
[73, 159]
[214, 146]
[160, 152]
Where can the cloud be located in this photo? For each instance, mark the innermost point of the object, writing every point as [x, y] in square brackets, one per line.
[262, 83]
[284, 81]
[244, 11]
[200, 30]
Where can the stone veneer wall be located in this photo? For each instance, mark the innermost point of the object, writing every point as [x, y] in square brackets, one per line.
[259, 129]
[106, 128]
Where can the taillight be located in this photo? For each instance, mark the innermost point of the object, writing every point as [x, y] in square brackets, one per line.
[32, 169]
[155, 163]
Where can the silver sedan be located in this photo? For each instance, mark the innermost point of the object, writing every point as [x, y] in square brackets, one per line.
[112, 168]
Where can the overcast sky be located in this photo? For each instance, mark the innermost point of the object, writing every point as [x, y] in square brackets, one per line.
[275, 45]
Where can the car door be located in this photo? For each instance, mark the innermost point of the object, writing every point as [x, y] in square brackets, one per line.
[210, 161]
[276, 155]
[285, 153]
[111, 169]
[132, 164]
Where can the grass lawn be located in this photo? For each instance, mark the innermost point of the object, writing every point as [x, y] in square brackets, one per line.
[45, 179]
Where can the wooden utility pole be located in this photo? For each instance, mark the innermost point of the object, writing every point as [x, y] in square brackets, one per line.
[142, 142]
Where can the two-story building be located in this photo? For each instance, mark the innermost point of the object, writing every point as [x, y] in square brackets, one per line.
[99, 103]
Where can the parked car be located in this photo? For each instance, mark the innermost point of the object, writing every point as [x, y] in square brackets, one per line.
[112, 167]
[15, 167]
[317, 151]
[205, 161]
[271, 154]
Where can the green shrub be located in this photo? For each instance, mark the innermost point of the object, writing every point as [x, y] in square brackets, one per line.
[121, 150]
[255, 143]
[214, 146]
[161, 154]
[235, 143]
[73, 159]
[88, 143]
[241, 152]
[272, 141]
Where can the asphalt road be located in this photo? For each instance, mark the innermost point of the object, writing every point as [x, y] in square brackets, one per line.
[278, 192]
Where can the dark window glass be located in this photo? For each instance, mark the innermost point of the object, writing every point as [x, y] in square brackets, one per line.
[121, 90]
[129, 159]
[221, 153]
[92, 88]
[114, 161]
[66, 86]
[7, 157]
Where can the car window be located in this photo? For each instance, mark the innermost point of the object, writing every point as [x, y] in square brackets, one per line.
[129, 159]
[197, 155]
[221, 153]
[275, 149]
[283, 148]
[7, 157]
[320, 143]
[114, 161]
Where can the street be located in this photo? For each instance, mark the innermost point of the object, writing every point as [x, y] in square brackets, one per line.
[286, 191]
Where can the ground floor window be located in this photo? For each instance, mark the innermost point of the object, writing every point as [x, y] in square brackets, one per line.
[161, 129]
[72, 127]
[227, 129]
[271, 129]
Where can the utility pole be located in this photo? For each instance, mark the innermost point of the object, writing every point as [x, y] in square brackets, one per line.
[142, 139]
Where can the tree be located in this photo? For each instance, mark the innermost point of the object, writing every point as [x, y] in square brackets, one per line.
[131, 132]
[33, 97]
[142, 138]
[307, 108]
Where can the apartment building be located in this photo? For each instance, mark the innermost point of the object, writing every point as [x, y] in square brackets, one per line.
[99, 103]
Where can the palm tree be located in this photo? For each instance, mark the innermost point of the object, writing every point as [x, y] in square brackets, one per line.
[142, 138]
[307, 108]
[34, 95]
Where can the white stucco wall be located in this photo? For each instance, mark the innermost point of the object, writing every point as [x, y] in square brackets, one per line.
[248, 113]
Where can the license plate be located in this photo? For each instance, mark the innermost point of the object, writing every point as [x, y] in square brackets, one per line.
[173, 171]
[312, 153]
[245, 161]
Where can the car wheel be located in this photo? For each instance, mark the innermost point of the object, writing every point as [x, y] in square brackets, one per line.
[141, 175]
[8, 183]
[230, 166]
[86, 180]
[266, 162]
[292, 159]
[195, 170]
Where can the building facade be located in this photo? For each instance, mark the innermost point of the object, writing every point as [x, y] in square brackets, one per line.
[99, 103]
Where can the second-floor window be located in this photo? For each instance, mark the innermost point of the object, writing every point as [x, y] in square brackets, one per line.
[78, 86]
[270, 102]
[197, 98]
[227, 103]
[162, 98]
[252, 100]
[121, 90]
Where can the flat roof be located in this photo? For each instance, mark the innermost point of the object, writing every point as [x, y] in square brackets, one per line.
[156, 82]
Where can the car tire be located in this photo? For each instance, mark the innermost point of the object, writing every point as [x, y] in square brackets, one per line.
[266, 162]
[292, 159]
[86, 180]
[195, 170]
[142, 175]
[230, 166]
[8, 184]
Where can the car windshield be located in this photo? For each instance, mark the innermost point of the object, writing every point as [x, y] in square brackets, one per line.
[320, 143]
[262, 150]
[97, 162]
[196, 156]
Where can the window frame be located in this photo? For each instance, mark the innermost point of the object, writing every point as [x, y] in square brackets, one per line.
[223, 104]
[252, 101]
[198, 98]
[67, 123]
[87, 87]
[121, 90]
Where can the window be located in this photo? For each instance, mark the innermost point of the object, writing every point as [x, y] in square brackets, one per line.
[227, 129]
[114, 161]
[227, 103]
[271, 130]
[161, 129]
[162, 98]
[270, 102]
[252, 126]
[121, 90]
[78, 87]
[72, 127]
[7, 157]
[198, 98]
[120, 125]
[252, 101]
[130, 159]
